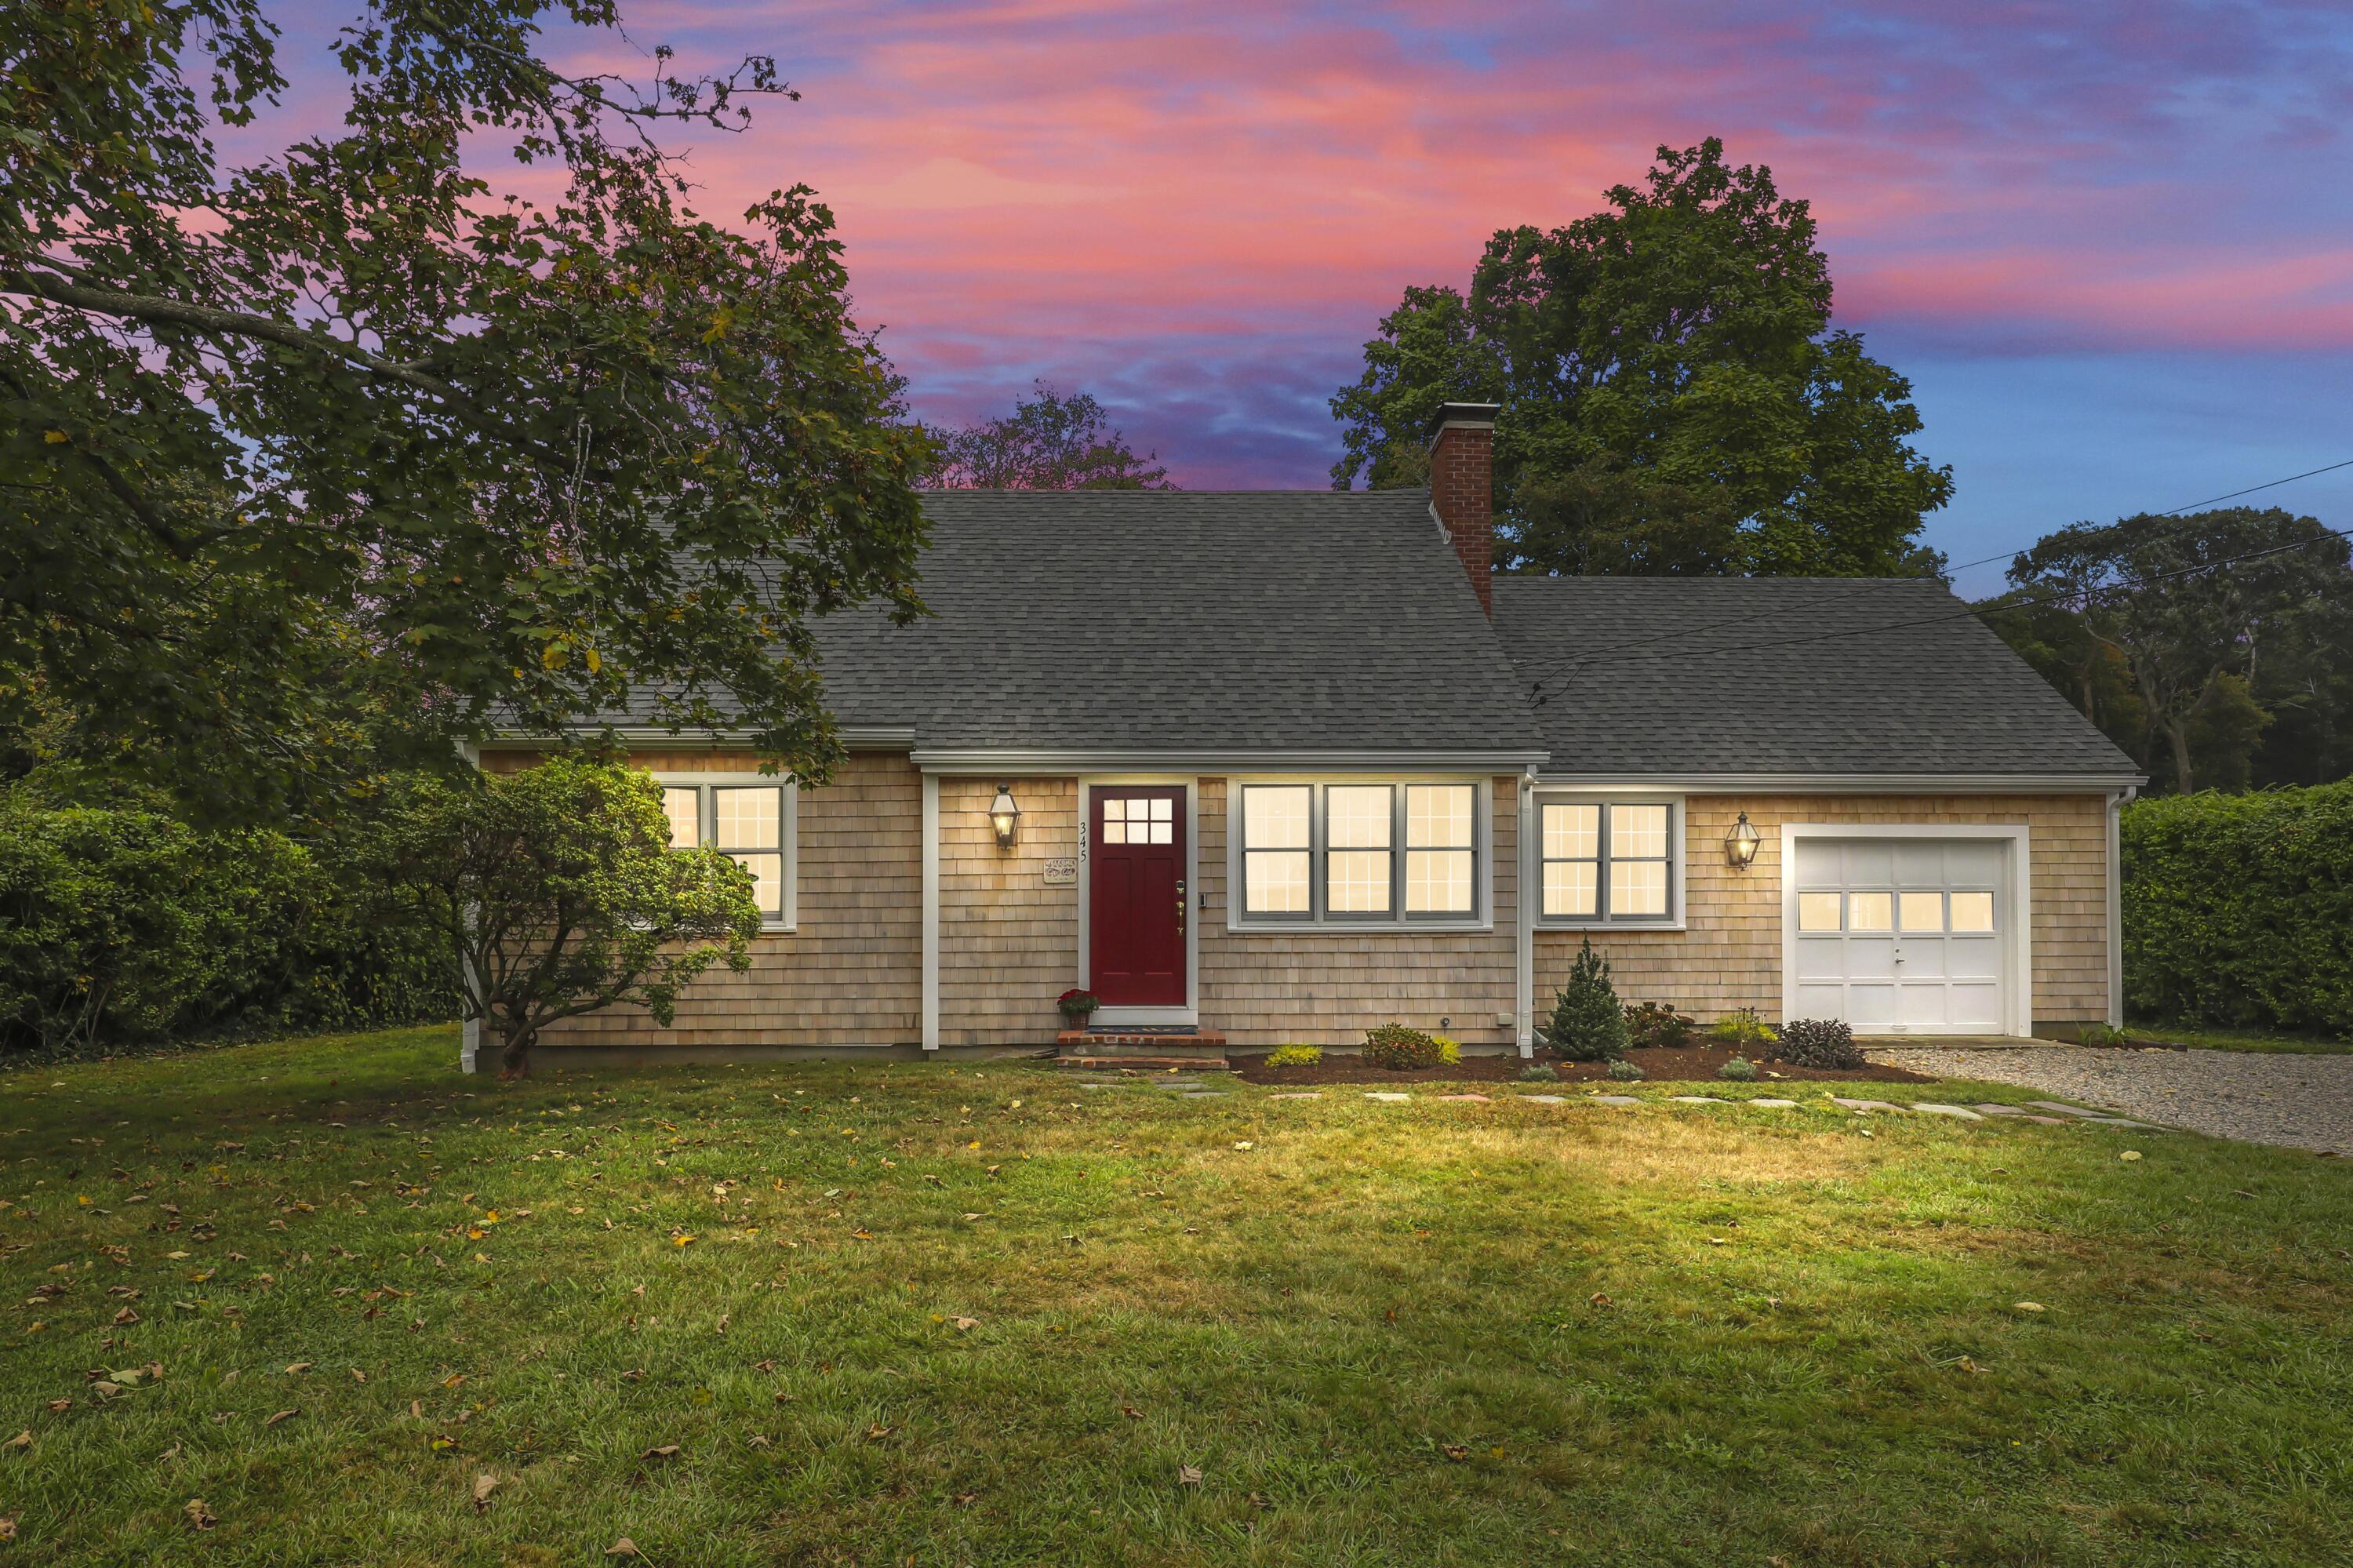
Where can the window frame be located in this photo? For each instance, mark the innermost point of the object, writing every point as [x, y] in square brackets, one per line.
[1318, 916]
[787, 828]
[1601, 919]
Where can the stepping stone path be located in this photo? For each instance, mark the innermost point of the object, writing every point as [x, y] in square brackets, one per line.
[1613, 1099]
[1959, 1112]
[1203, 1095]
[1864, 1105]
[1545, 1099]
[2054, 1106]
[1298, 1095]
[1694, 1100]
[1776, 1105]
[1479, 1098]
[1389, 1098]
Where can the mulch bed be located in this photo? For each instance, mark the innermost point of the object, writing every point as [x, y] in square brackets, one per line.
[1691, 1063]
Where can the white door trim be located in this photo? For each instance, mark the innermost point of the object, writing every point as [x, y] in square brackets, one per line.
[1191, 1011]
[2018, 954]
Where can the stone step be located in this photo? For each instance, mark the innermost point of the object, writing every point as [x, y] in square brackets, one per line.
[1144, 1063]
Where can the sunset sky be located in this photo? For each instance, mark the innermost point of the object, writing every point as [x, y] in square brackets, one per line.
[2111, 241]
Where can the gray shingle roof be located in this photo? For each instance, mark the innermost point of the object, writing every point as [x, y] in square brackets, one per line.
[1233, 621]
[1891, 678]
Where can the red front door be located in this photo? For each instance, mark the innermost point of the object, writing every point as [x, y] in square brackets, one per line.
[1136, 896]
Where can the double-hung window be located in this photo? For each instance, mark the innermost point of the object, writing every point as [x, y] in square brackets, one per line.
[750, 822]
[1357, 853]
[1610, 862]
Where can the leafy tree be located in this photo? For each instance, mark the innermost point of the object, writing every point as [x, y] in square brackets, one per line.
[1047, 443]
[343, 437]
[1588, 1024]
[1674, 397]
[559, 895]
[2212, 619]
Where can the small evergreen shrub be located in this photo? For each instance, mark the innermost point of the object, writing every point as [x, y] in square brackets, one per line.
[1449, 1051]
[1538, 1072]
[1739, 1070]
[1588, 1024]
[1294, 1055]
[1398, 1049]
[1652, 1027]
[1622, 1072]
[1818, 1043]
[1742, 1027]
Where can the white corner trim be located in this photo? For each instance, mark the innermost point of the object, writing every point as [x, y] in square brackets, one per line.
[930, 912]
[2017, 953]
[1524, 937]
[2116, 906]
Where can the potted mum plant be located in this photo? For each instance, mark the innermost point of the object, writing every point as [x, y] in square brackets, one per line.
[1076, 1004]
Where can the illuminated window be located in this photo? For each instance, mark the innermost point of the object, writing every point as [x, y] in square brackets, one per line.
[1358, 855]
[750, 823]
[1608, 861]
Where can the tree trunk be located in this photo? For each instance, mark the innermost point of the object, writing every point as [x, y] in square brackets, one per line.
[2178, 736]
[514, 1056]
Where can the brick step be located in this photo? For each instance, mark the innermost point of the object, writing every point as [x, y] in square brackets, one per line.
[1148, 1042]
[1145, 1063]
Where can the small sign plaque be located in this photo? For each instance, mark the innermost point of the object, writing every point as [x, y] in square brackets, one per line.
[1061, 871]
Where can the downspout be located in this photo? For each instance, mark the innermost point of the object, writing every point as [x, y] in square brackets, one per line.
[2117, 799]
[1524, 918]
[470, 1032]
[931, 911]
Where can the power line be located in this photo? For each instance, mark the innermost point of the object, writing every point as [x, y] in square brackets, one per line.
[1982, 560]
[1542, 696]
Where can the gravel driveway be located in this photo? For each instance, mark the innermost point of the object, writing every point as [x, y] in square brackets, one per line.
[2300, 1102]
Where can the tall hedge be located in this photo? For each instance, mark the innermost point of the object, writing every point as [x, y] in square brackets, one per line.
[2239, 908]
[119, 926]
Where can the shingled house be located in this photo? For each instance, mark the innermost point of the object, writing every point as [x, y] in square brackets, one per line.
[1260, 766]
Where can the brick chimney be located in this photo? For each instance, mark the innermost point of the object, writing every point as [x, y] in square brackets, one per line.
[1461, 488]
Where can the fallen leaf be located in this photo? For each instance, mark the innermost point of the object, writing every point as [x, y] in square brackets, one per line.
[1456, 1452]
[21, 1440]
[128, 1315]
[8, 1527]
[296, 1369]
[1599, 1300]
[281, 1415]
[484, 1484]
[2027, 1306]
[664, 1451]
[200, 1515]
[1130, 1412]
[358, 1376]
[967, 1322]
[1188, 1475]
[60, 1407]
[876, 1433]
[623, 1547]
[758, 1440]
[106, 1389]
[1244, 1145]
[2129, 1154]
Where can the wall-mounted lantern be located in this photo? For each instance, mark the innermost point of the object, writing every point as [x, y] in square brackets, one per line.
[1005, 817]
[1740, 844]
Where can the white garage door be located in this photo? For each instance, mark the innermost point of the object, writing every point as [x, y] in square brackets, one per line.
[1901, 936]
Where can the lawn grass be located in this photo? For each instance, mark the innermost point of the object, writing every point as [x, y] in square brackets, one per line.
[983, 1316]
[2260, 1040]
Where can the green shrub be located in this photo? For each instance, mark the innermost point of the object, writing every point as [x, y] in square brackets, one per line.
[1817, 1042]
[1538, 1072]
[120, 927]
[1398, 1049]
[1739, 1070]
[1294, 1055]
[1588, 1024]
[2103, 1034]
[2238, 909]
[1622, 1072]
[1655, 1028]
[1742, 1027]
[1449, 1051]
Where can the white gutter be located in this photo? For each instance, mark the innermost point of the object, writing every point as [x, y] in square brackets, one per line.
[1850, 783]
[1037, 762]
